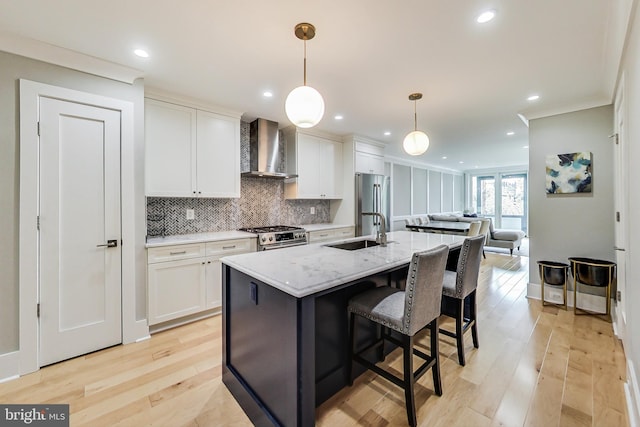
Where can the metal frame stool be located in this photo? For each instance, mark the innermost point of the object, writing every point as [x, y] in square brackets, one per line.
[554, 274]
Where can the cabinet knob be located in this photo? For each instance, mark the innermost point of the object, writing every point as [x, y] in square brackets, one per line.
[199, 192]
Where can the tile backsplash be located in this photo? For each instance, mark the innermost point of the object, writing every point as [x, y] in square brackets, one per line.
[261, 203]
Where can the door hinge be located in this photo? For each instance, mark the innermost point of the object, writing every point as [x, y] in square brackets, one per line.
[38, 222]
[615, 138]
[619, 296]
[38, 310]
[617, 216]
[38, 128]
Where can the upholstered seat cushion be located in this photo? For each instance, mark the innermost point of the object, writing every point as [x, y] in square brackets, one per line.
[509, 235]
[384, 305]
[449, 283]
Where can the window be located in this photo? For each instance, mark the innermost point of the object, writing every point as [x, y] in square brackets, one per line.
[501, 197]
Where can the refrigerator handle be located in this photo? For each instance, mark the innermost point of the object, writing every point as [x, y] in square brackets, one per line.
[376, 208]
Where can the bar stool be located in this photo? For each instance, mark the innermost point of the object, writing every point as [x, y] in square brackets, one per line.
[459, 287]
[592, 272]
[405, 312]
[554, 274]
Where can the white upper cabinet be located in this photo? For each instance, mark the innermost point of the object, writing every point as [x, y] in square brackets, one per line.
[318, 163]
[369, 157]
[218, 155]
[170, 141]
[190, 152]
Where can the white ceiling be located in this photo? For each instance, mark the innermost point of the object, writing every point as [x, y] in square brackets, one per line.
[367, 57]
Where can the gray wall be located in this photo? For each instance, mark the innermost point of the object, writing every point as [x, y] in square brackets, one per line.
[16, 67]
[567, 225]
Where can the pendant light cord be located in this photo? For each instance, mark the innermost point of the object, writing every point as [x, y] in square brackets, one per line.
[305, 62]
[415, 115]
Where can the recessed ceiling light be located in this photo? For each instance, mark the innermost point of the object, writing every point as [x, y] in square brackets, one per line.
[444, 157]
[141, 53]
[267, 94]
[486, 16]
[338, 117]
[387, 133]
[526, 146]
[476, 166]
[510, 133]
[533, 98]
[461, 162]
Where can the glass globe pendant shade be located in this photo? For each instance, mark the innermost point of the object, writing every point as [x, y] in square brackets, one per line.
[304, 106]
[416, 143]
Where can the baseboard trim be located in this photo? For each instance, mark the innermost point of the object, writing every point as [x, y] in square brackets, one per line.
[138, 332]
[594, 303]
[170, 324]
[632, 394]
[9, 366]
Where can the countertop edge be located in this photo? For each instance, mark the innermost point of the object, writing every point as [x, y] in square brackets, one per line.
[185, 239]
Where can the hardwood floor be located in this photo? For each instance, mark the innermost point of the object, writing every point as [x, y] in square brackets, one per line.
[534, 367]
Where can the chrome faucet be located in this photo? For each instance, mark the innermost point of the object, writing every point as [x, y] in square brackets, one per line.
[381, 237]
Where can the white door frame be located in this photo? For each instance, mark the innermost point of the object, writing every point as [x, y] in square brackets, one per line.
[30, 92]
[622, 191]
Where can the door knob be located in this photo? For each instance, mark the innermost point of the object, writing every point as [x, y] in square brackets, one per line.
[109, 244]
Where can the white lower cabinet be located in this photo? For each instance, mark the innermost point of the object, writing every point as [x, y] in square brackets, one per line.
[176, 289]
[330, 234]
[187, 279]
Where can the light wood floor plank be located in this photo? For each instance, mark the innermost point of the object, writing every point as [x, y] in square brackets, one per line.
[535, 366]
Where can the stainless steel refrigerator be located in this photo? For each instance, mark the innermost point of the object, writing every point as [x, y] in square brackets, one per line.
[372, 195]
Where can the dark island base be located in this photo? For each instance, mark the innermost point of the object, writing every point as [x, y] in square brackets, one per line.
[283, 356]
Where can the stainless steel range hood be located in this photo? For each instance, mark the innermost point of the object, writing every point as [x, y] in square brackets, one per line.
[265, 151]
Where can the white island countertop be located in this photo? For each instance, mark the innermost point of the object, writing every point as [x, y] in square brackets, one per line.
[304, 270]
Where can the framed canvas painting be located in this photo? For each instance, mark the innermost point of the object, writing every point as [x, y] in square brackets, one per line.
[569, 173]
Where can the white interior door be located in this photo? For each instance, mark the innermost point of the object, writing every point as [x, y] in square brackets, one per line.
[79, 275]
[620, 197]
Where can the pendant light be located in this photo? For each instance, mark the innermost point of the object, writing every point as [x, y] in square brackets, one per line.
[416, 142]
[304, 105]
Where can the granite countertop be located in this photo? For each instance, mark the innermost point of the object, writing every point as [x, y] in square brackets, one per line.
[304, 270]
[183, 239]
[324, 226]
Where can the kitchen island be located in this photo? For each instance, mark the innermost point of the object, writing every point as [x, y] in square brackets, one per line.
[285, 321]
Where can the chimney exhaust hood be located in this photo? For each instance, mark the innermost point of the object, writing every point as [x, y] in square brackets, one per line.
[265, 150]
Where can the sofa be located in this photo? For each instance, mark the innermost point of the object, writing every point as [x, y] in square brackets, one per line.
[496, 237]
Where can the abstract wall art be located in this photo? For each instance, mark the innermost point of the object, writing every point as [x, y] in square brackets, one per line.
[569, 173]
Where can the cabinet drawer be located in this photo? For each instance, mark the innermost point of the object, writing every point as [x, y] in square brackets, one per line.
[321, 236]
[344, 233]
[229, 246]
[174, 253]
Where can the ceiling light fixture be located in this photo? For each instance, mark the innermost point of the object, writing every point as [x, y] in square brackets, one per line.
[141, 53]
[416, 142]
[486, 16]
[267, 94]
[338, 117]
[304, 105]
[533, 98]
[510, 133]
[387, 133]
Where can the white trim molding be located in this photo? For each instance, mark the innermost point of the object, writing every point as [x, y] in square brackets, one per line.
[595, 303]
[30, 94]
[9, 366]
[632, 393]
[57, 55]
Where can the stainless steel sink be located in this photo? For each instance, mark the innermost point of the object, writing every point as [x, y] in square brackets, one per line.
[354, 246]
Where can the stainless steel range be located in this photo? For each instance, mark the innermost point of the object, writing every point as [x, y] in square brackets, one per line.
[278, 236]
